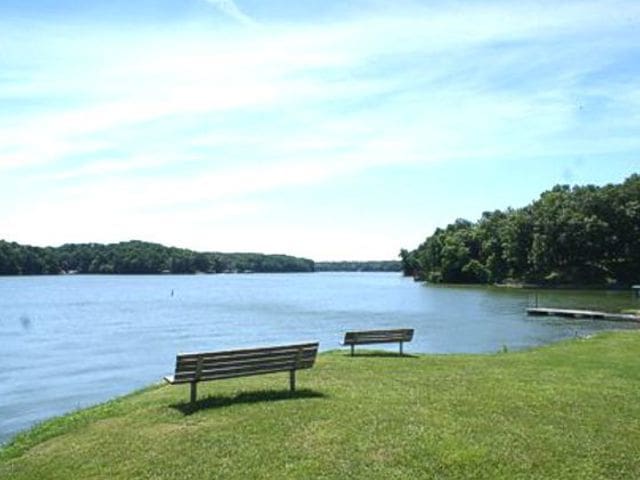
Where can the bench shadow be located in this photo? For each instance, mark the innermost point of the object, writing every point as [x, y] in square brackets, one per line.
[213, 402]
[380, 354]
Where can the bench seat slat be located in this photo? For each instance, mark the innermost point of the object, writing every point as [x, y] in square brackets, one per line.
[282, 364]
[242, 372]
[231, 375]
[207, 359]
[378, 336]
[373, 340]
[228, 362]
[246, 352]
[381, 335]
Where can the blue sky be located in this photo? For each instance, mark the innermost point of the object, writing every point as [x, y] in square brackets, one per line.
[331, 130]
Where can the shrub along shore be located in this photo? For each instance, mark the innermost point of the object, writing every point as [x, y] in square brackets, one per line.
[568, 410]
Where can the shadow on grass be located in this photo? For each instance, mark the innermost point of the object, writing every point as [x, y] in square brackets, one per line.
[250, 397]
[380, 354]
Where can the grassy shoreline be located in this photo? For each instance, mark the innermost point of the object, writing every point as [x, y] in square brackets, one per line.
[568, 410]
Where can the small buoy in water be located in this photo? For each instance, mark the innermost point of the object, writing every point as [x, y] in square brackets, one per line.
[172, 292]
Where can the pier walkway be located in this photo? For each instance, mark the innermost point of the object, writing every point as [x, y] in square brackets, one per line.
[562, 312]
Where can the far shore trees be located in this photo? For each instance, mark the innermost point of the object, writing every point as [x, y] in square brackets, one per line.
[136, 257]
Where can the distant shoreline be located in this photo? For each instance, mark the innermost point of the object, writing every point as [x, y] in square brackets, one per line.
[141, 258]
[533, 286]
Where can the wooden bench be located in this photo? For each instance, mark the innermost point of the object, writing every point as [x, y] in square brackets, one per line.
[378, 336]
[200, 367]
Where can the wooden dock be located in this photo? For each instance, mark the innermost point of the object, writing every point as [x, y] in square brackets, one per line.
[563, 312]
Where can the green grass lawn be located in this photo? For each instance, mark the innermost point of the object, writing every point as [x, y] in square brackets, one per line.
[570, 410]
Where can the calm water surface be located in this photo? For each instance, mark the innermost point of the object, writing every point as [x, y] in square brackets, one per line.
[71, 341]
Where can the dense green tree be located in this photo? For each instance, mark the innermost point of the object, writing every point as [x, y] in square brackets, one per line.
[9, 259]
[588, 235]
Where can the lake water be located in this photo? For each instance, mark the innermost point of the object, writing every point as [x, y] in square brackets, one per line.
[71, 341]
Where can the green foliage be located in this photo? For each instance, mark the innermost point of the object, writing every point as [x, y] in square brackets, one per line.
[563, 411]
[18, 259]
[368, 266]
[136, 257]
[579, 235]
[409, 263]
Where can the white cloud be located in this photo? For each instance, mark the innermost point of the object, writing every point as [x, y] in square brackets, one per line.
[229, 8]
[178, 119]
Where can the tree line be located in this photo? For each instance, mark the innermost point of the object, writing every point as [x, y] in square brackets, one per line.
[570, 235]
[136, 257]
[355, 266]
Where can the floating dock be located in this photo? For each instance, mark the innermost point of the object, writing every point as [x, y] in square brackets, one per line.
[563, 312]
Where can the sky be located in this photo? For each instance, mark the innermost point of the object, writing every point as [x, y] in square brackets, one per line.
[332, 130]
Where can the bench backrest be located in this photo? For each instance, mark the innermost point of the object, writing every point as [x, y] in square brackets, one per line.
[194, 367]
[378, 336]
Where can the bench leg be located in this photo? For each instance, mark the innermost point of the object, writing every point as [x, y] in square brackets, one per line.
[400, 348]
[352, 345]
[194, 389]
[292, 380]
